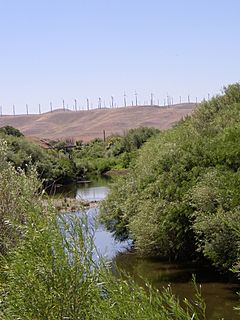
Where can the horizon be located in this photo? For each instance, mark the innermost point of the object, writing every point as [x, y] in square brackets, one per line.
[112, 52]
[168, 103]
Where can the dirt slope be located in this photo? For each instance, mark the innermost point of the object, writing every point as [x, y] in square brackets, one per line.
[86, 125]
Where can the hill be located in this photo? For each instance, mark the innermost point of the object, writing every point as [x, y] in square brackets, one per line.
[87, 125]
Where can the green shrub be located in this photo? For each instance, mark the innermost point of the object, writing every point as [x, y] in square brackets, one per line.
[53, 275]
[18, 192]
[11, 131]
[184, 179]
[51, 272]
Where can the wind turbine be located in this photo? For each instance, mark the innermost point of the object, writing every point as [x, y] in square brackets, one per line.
[99, 103]
[136, 98]
[125, 99]
[151, 99]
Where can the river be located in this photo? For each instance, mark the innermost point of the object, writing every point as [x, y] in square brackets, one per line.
[218, 292]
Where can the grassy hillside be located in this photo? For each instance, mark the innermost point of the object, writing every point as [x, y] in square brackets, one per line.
[88, 125]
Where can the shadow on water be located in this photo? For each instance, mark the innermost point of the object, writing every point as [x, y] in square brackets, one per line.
[218, 292]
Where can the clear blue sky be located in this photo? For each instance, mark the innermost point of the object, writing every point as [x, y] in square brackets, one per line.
[53, 50]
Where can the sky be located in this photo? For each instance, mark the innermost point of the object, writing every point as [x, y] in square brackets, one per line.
[55, 50]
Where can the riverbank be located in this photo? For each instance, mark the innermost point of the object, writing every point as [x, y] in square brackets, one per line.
[67, 204]
[116, 172]
[218, 292]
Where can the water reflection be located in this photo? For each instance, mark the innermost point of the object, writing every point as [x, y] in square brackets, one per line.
[92, 190]
[106, 246]
[219, 294]
[91, 193]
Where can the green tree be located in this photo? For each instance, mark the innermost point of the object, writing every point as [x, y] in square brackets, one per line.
[11, 131]
[183, 186]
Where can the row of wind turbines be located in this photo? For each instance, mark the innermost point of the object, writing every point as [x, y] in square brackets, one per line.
[167, 102]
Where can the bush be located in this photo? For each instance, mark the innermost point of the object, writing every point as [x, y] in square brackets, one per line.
[53, 275]
[17, 195]
[51, 272]
[184, 183]
[9, 130]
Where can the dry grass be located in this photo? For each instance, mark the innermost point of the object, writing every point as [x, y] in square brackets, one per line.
[87, 125]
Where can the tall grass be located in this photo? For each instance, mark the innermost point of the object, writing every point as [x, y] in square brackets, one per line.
[18, 193]
[52, 275]
[50, 272]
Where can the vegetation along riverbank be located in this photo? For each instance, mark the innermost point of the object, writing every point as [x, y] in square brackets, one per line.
[180, 200]
[62, 162]
[48, 270]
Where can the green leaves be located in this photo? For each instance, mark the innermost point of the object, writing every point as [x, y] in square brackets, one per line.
[185, 180]
[48, 269]
[11, 131]
[52, 275]
[17, 195]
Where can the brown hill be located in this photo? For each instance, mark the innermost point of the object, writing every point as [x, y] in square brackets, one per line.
[87, 125]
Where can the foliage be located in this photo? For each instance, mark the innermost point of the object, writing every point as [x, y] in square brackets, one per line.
[17, 194]
[11, 131]
[64, 161]
[51, 165]
[183, 192]
[53, 275]
[117, 152]
[63, 145]
[132, 140]
[52, 271]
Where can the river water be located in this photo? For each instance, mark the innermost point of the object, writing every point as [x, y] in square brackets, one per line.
[218, 292]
